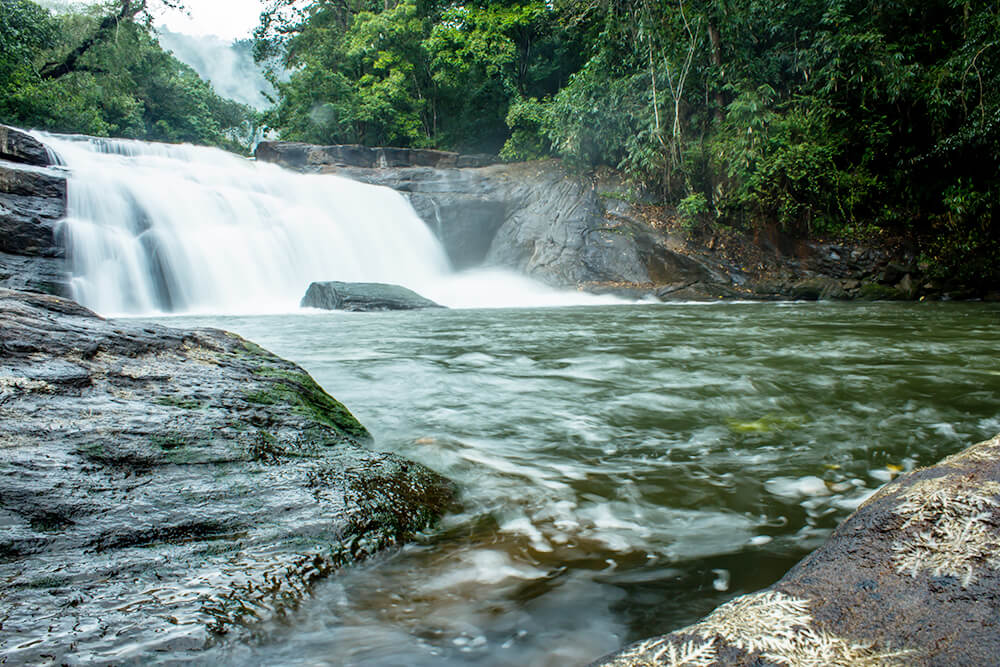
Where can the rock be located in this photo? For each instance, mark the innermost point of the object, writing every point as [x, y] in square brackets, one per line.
[17, 146]
[34, 274]
[333, 295]
[876, 292]
[299, 156]
[699, 291]
[32, 202]
[911, 578]
[529, 217]
[893, 273]
[161, 488]
[906, 287]
[816, 288]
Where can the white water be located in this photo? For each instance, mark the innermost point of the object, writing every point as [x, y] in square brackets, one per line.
[156, 228]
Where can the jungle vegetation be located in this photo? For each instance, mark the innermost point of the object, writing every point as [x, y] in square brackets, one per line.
[856, 118]
[99, 70]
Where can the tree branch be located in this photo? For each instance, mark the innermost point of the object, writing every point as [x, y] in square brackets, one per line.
[128, 10]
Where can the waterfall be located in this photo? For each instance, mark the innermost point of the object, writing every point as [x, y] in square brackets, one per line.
[155, 228]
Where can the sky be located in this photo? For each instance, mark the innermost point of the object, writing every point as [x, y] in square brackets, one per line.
[228, 19]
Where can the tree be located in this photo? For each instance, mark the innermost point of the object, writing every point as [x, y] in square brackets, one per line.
[72, 76]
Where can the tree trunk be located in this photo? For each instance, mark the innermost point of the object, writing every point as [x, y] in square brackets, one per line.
[128, 11]
[716, 56]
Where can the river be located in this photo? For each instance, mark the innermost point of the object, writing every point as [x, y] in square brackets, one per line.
[623, 469]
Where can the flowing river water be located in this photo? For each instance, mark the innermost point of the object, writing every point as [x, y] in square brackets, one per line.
[623, 469]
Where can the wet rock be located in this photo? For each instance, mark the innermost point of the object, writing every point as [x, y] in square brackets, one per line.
[161, 488]
[911, 578]
[534, 218]
[876, 292]
[699, 291]
[817, 288]
[906, 287]
[17, 146]
[32, 201]
[34, 274]
[32, 204]
[333, 295]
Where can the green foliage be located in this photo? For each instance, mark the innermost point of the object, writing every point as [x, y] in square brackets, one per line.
[412, 73]
[833, 117]
[526, 119]
[123, 84]
[692, 209]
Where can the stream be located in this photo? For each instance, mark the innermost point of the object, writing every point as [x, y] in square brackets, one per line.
[623, 469]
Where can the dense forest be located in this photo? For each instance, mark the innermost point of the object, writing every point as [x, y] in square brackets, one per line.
[99, 70]
[867, 119]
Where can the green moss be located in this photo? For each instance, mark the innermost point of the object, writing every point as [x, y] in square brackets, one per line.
[179, 402]
[306, 398]
[253, 349]
[294, 387]
[265, 448]
[170, 440]
[92, 450]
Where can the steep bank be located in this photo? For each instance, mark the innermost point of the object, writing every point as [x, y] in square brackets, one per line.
[162, 489]
[911, 578]
[583, 232]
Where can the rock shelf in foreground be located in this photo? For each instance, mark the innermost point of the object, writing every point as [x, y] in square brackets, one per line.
[911, 578]
[161, 488]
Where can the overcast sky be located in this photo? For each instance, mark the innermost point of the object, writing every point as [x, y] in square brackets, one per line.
[229, 19]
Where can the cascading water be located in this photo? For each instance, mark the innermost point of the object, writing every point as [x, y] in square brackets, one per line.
[161, 228]
[164, 228]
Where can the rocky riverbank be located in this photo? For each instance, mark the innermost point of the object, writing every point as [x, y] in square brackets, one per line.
[164, 489]
[585, 232]
[911, 578]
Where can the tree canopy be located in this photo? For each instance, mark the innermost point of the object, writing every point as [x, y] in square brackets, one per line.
[101, 71]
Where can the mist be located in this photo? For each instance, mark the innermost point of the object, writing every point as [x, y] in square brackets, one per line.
[229, 66]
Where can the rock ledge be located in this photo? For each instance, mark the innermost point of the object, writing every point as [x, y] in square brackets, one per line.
[161, 488]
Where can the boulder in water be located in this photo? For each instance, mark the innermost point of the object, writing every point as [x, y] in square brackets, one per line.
[334, 295]
[162, 488]
[911, 578]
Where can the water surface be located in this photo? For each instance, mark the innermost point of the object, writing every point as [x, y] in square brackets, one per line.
[623, 469]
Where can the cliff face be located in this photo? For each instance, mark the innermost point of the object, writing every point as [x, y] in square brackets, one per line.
[533, 218]
[580, 231]
[32, 204]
